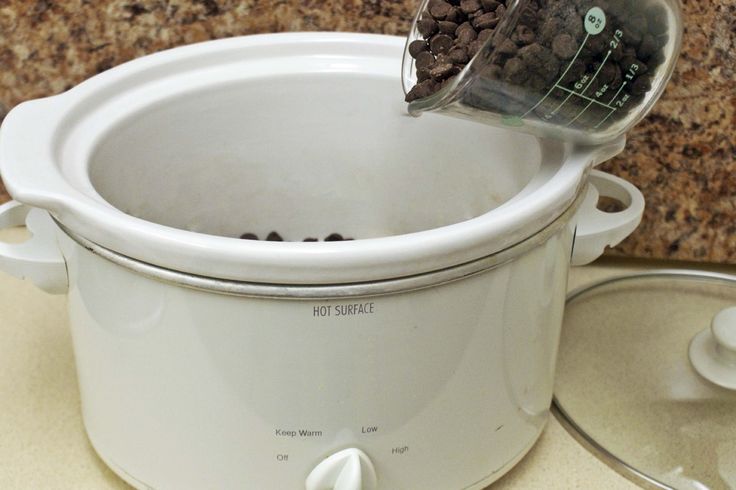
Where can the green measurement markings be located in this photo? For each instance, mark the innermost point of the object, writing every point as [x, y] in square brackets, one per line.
[581, 94]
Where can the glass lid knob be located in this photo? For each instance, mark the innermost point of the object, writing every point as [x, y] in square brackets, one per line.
[713, 350]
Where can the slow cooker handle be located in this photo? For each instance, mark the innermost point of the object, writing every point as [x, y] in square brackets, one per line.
[38, 258]
[597, 229]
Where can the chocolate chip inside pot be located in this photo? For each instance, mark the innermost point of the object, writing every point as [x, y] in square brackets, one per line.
[274, 236]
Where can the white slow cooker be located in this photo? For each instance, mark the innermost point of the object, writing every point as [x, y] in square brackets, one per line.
[418, 356]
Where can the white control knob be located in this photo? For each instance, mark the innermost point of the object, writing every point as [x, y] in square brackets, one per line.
[713, 351]
[349, 469]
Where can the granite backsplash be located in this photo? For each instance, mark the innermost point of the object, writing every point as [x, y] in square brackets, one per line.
[682, 156]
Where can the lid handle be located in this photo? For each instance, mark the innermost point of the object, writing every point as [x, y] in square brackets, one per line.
[713, 350]
[596, 229]
[39, 258]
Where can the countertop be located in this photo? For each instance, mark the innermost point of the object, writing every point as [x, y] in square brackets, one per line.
[682, 156]
[43, 443]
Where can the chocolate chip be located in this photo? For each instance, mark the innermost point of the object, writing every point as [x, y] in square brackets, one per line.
[638, 23]
[459, 55]
[630, 52]
[550, 28]
[564, 46]
[455, 15]
[334, 237]
[489, 5]
[447, 27]
[492, 72]
[427, 27]
[484, 35]
[475, 14]
[524, 35]
[542, 63]
[474, 47]
[275, 237]
[418, 46]
[618, 80]
[607, 73]
[465, 33]
[631, 35]
[470, 6]
[423, 60]
[595, 46]
[648, 47]
[485, 21]
[575, 71]
[507, 47]
[657, 19]
[440, 71]
[528, 17]
[440, 43]
[421, 90]
[515, 71]
[641, 85]
[439, 10]
[423, 74]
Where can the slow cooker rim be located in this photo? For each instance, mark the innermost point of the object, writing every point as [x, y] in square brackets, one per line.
[354, 290]
[418, 252]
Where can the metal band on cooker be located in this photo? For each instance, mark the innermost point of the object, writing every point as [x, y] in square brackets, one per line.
[329, 291]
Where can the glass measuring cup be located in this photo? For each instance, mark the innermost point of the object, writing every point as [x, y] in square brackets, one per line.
[579, 70]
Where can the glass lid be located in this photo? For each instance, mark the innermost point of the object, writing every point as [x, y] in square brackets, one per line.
[646, 376]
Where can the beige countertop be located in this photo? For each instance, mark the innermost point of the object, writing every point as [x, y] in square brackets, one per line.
[42, 439]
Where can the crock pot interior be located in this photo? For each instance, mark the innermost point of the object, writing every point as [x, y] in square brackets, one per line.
[306, 156]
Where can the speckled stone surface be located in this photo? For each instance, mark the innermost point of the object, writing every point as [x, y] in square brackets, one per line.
[683, 156]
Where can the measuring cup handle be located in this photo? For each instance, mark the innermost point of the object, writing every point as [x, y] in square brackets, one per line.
[597, 229]
[39, 258]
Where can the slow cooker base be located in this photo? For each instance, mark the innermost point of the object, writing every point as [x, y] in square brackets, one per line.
[479, 485]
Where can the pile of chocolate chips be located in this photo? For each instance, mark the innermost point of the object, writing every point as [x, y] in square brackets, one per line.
[550, 64]
[276, 237]
[452, 33]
